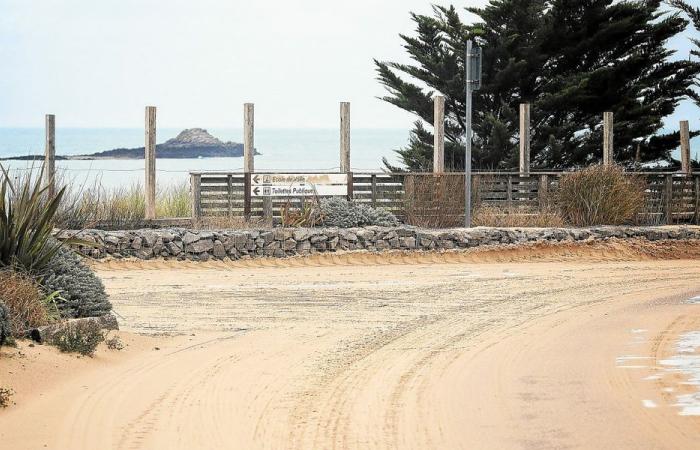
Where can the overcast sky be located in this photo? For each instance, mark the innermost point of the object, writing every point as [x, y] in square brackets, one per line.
[97, 63]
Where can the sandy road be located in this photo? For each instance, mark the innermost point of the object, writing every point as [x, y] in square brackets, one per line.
[431, 352]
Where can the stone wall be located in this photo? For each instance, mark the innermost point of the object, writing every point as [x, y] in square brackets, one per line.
[179, 243]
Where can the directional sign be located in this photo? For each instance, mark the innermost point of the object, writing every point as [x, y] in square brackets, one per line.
[298, 185]
[289, 178]
[298, 190]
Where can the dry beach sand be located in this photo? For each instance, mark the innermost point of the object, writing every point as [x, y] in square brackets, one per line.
[549, 346]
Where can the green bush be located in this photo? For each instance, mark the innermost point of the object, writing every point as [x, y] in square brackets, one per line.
[338, 212]
[5, 325]
[78, 337]
[81, 292]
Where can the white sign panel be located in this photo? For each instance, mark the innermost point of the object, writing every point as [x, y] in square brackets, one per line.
[298, 184]
[298, 190]
[308, 178]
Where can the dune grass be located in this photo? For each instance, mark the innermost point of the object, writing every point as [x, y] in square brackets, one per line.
[121, 207]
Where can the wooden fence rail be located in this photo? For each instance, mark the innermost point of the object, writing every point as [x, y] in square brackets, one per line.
[671, 197]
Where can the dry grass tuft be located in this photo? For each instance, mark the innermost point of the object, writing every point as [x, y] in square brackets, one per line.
[434, 201]
[225, 222]
[25, 302]
[494, 216]
[600, 195]
[121, 207]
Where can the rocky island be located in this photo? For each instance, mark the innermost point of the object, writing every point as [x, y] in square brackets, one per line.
[190, 143]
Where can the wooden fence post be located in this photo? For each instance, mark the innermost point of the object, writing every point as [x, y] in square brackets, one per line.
[246, 195]
[248, 137]
[229, 194]
[50, 155]
[351, 187]
[686, 163]
[196, 186]
[509, 192]
[439, 134]
[608, 138]
[668, 198]
[374, 190]
[150, 158]
[345, 137]
[524, 139]
[543, 191]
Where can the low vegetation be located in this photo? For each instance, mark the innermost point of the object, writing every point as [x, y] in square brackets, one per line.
[114, 343]
[5, 397]
[81, 337]
[600, 195]
[27, 221]
[41, 281]
[27, 306]
[334, 212]
[82, 293]
[339, 212]
[120, 208]
[493, 216]
[5, 324]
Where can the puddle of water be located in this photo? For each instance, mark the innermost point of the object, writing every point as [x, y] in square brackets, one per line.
[694, 300]
[687, 362]
[630, 358]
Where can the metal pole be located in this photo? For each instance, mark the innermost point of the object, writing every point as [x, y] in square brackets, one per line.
[468, 137]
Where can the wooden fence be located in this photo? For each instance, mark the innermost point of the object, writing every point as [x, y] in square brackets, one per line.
[671, 197]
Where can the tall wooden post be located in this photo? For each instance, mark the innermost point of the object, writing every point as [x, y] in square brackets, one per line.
[543, 192]
[608, 138]
[196, 186]
[686, 164]
[524, 139]
[439, 135]
[50, 155]
[248, 137]
[150, 158]
[344, 137]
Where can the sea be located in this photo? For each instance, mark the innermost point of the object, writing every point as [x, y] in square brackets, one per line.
[281, 150]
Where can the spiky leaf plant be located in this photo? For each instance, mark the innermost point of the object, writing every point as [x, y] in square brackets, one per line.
[27, 221]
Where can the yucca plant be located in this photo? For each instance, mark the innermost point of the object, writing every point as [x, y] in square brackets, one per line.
[27, 221]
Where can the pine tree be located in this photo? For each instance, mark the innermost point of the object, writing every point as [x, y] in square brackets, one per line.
[572, 60]
[694, 15]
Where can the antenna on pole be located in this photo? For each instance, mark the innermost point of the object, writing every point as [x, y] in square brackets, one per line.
[473, 83]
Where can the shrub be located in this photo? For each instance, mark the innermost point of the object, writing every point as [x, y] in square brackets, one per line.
[78, 337]
[27, 221]
[5, 397]
[114, 343]
[305, 213]
[338, 212]
[600, 195]
[5, 324]
[25, 302]
[81, 292]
